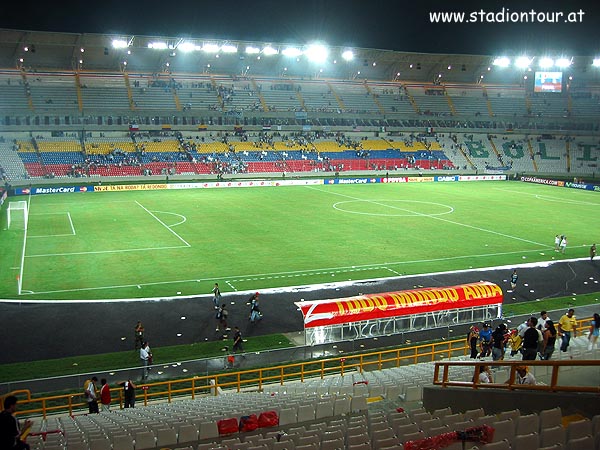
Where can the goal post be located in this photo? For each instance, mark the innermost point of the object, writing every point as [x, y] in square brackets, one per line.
[17, 215]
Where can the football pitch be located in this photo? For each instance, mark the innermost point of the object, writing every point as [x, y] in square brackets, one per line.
[146, 244]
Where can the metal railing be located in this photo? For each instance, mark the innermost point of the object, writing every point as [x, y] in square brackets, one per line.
[441, 376]
[251, 379]
[256, 378]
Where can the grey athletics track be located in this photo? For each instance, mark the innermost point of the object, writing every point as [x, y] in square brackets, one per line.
[51, 330]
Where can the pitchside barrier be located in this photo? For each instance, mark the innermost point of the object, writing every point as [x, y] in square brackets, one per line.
[374, 315]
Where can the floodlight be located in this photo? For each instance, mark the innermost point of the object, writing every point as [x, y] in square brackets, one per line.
[252, 50]
[317, 53]
[563, 62]
[157, 45]
[596, 62]
[292, 52]
[523, 62]
[228, 48]
[546, 63]
[502, 61]
[210, 48]
[187, 47]
[268, 50]
[119, 43]
[348, 55]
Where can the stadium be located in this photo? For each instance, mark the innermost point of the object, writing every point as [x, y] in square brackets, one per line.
[378, 200]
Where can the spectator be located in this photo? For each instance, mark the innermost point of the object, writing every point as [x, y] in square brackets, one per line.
[498, 342]
[89, 390]
[221, 317]
[216, 295]
[513, 279]
[594, 331]
[237, 340]
[485, 375]
[485, 340]
[542, 321]
[532, 339]
[524, 376]
[549, 343]
[146, 357]
[128, 393]
[567, 326]
[472, 338]
[255, 314]
[10, 428]
[139, 335]
[105, 395]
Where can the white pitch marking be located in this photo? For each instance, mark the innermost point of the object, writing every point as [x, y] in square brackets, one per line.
[50, 235]
[71, 222]
[163, 224]
[436, 218]
[303, 288]
[175, 214]
[230, 285]
[549, 198]
[412, 213]
[318, 271]
[110, 251]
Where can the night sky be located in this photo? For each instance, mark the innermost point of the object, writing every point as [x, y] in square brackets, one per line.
[383, 24]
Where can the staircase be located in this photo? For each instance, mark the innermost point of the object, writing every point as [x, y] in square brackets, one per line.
[568, 147]
[263, 103]
[412, 101]
[219, 97]
[374, 97]
[488, 103]
[531, 154]
[27, 90]
[450, 102]
[129, 92]
[176, 98]
[39, 156]
[496, 152]
[338, 99]
[78, 88]
[11, 162]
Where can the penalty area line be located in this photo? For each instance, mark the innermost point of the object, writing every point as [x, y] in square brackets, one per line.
[163, 224]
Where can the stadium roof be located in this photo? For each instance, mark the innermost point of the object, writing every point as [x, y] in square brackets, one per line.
[40, 51]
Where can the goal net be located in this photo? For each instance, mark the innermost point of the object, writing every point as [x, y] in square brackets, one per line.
[17, 215]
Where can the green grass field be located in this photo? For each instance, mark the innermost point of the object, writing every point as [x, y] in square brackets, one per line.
[179, 242]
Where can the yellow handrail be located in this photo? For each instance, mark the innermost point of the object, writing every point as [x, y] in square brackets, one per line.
[300, 371]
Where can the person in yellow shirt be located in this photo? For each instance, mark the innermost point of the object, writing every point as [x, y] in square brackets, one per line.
[567, 328]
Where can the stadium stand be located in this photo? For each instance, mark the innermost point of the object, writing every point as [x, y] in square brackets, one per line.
[374, 410]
